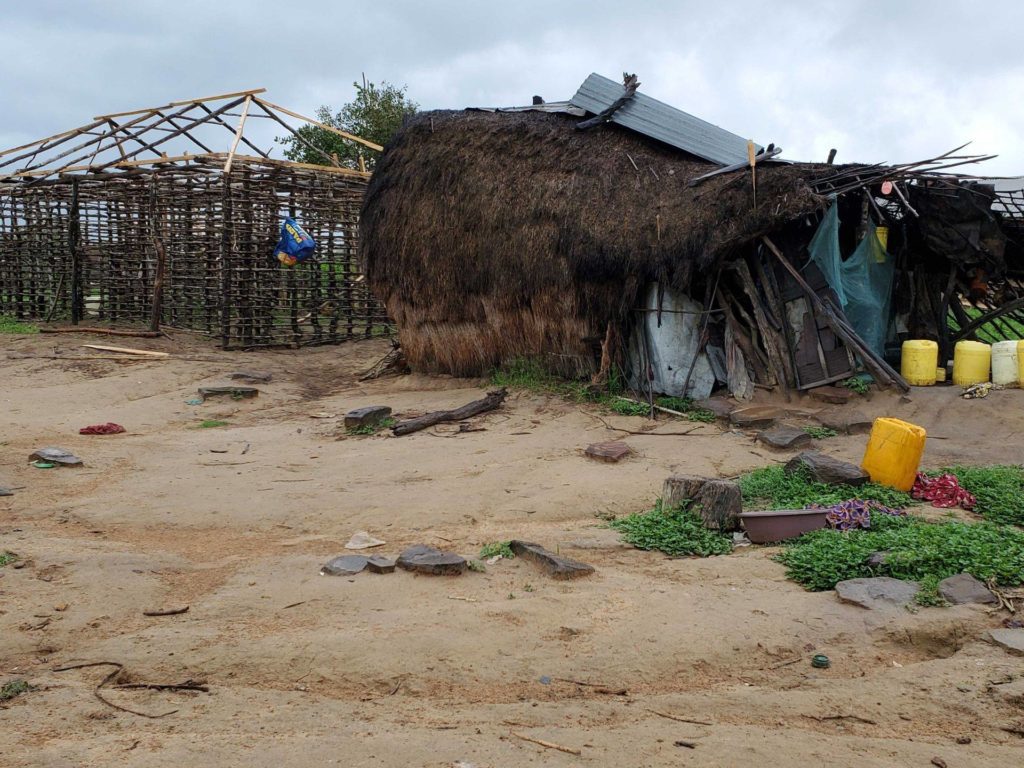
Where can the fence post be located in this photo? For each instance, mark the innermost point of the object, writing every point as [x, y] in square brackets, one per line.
[77, 298]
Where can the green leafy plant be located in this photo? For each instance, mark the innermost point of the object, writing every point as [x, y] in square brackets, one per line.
[686, 405]
[820, 433]
[528, 588]
[495, 548]
[14, 688]
[856, 384]
[212, 424]
[12, 325]
[774, 488]
[6, 558]
[629, 407]
[477, 566]
[676, 531]
[999, 490]
[915, 550]
[372, 429]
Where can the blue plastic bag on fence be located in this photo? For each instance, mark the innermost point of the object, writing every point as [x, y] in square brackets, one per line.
[295, 245]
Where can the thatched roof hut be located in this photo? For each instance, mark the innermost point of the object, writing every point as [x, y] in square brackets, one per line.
[493, 236]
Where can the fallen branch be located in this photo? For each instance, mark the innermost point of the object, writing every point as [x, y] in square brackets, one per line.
[96, 691]
[188, 685]
[841, 717]
[127, 350]
[599, 687]
[548, 744]
[491, 402]
[640, 432]
[165, 611]
[679, 719]
[102, 331]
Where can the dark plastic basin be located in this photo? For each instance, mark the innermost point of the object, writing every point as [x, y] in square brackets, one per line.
[781, 524]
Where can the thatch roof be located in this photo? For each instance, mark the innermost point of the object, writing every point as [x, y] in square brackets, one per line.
[492, 236]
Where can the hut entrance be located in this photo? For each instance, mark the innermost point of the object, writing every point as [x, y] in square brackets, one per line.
[109, 223]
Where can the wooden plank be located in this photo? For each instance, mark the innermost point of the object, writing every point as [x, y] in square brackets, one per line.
[163, 159]
[302, 140]
[127, 350]
[131, 112]
[250, 92]
[238, 134]
[326, 127]
[63, 136]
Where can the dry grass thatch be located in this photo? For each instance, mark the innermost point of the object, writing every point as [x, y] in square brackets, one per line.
[492, 236]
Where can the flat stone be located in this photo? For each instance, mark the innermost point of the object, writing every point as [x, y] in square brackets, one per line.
[718, 406]
[826, 469]
[423, 559]
[1011, 639]
[6, 491]
[783, 437]
[235, 393]
[557, 567]
[964, 588]
[368, 416]
[379, 564]
[56, 456]
[880, 592]
[251, 377]
[363, 540]
[718, 502]
[834, 395]
[345, 565]
[610, 452]
[756, 416]
[878, 559]
[845, 421]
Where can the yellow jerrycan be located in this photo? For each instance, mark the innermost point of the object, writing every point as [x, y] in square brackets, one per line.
[919, 360]
[971, 363]
[893, 453]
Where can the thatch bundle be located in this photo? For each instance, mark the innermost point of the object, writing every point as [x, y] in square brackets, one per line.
[492, 236]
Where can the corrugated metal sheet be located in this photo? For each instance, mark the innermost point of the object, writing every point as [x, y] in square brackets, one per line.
[662, 122]
[563, 107]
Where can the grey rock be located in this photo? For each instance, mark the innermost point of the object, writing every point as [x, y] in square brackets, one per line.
[423, 559]
[878, 559]
[845, 421]
[964, 588]
[6, 491]
[557, 567]
[826, 469]
[370, 416]
[251, 377]
[379, 564]
[783, 437]
[56, 456]
[235, 393]
[756, 416]
[880, 592]
[834, 395]
[610, 452]
[718, 502]
[718, 406]
[345, 565]
[1011, 639]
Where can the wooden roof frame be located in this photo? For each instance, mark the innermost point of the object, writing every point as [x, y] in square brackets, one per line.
[137, 138]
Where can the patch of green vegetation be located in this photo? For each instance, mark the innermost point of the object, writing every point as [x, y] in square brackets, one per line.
[999, 490]
[495, 548]
[686, 405]
[476, 566]
[677, 531]
[212, 423]
[774, 488]
[856, 384]
[11, 325]
[916, 550]
[6, 558]
[629, 407]
[929, 595]
[14, 688]
[820, 433]
[372, 429]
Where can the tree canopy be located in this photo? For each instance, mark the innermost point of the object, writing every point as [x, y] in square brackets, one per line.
[375, 114]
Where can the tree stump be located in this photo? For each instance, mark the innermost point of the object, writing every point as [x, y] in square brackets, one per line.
[718, 502]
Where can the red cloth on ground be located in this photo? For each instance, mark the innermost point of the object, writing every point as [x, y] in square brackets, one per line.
[110, 428]
[943, 492]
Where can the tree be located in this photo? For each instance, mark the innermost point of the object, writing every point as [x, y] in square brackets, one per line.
[375, 114]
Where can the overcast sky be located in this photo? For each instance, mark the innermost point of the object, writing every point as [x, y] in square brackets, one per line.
[881, 81]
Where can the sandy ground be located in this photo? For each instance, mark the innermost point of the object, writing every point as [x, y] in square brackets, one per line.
[427, 671]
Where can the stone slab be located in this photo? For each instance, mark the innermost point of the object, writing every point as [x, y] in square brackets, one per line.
[423, 559]
[845, 421]
[345, 565]
[783, 437]
[610, 452]
[756, 416]
[827, 469]
[881, 592]
[834, 395]
[235, 393]
[380, 564]
[964, 588]
[556, 566]
[251, 377]
[1011, 639]
[368, 416]
[56, 456]
[718, 406]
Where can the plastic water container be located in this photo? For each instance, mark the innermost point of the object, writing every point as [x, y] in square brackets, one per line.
[1005, 361]
[893, 453]
[971, 363]
[1020, 361]
[940, 375]
[918, 361]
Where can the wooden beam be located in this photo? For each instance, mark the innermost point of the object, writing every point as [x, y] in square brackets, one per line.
[132, 112]
[219, 119]
[250, 92]
[326, 127]
[301, 139]
[238, 134]
[62, 136]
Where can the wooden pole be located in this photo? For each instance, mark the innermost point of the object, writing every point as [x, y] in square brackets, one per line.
[76, 264]
[238, 134]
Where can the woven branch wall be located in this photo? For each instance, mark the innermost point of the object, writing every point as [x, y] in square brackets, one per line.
[95, 242]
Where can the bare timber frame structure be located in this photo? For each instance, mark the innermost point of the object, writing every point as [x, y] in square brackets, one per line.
[117, 222]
